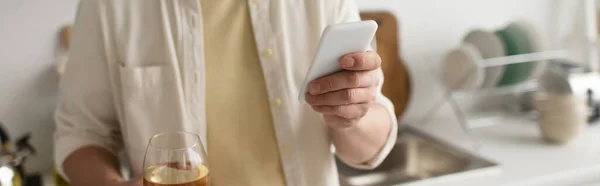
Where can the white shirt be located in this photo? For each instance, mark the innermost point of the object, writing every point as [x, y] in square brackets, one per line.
[136, 69]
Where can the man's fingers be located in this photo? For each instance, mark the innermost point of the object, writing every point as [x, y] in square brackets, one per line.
[361, 61]
[342, 97]
[343, 80]
[353, 111]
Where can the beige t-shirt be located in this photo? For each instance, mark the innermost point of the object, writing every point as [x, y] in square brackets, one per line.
[242, 148]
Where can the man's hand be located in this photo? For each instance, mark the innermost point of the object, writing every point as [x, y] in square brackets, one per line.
[346, 97]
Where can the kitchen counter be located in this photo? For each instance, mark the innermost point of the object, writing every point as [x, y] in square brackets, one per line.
[524, 159]
[514, 143]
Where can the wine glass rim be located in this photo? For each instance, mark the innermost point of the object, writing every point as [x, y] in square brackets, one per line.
[175, 132]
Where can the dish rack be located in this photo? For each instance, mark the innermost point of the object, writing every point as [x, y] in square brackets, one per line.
[529, 85]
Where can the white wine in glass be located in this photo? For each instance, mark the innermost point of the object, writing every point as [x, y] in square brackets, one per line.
[176, 159]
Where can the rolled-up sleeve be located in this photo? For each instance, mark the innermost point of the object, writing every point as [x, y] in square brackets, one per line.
[86, 114]
[348, 12]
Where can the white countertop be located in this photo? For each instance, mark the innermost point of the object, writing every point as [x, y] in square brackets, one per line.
[523, 158]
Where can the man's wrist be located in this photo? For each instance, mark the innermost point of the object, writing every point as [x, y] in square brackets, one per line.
[361, 143]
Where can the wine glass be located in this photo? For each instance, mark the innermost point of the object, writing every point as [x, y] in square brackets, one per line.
[175, 159]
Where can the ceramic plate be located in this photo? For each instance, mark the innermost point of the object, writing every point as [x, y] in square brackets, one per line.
[535, 40]
[515, 42]
[527, 42]
[490, 46]
[459, 69]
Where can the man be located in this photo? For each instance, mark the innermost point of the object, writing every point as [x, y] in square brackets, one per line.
[229, 71]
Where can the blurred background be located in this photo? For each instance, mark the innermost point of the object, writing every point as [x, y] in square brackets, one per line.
[34, 38]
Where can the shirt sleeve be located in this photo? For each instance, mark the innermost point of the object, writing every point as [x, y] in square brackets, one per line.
[86, 114]
[348, 12]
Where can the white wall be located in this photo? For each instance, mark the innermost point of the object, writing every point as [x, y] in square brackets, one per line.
[28, 83]
[428, 28]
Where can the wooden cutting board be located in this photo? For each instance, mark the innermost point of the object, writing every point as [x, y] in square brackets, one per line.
[397, 85]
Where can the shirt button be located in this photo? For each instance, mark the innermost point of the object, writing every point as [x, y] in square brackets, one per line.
[255, 1]
[268, 52]
[277, 102]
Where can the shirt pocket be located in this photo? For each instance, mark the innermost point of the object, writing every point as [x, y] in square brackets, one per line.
[151, 104]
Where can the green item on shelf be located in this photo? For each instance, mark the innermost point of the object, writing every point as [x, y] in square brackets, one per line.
[515, 42]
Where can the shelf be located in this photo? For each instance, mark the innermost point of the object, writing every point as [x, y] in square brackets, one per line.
[524, 58]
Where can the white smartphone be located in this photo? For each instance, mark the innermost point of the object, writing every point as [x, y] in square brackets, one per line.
[336, 41]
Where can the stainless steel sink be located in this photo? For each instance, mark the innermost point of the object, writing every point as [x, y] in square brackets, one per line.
[414, 157]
